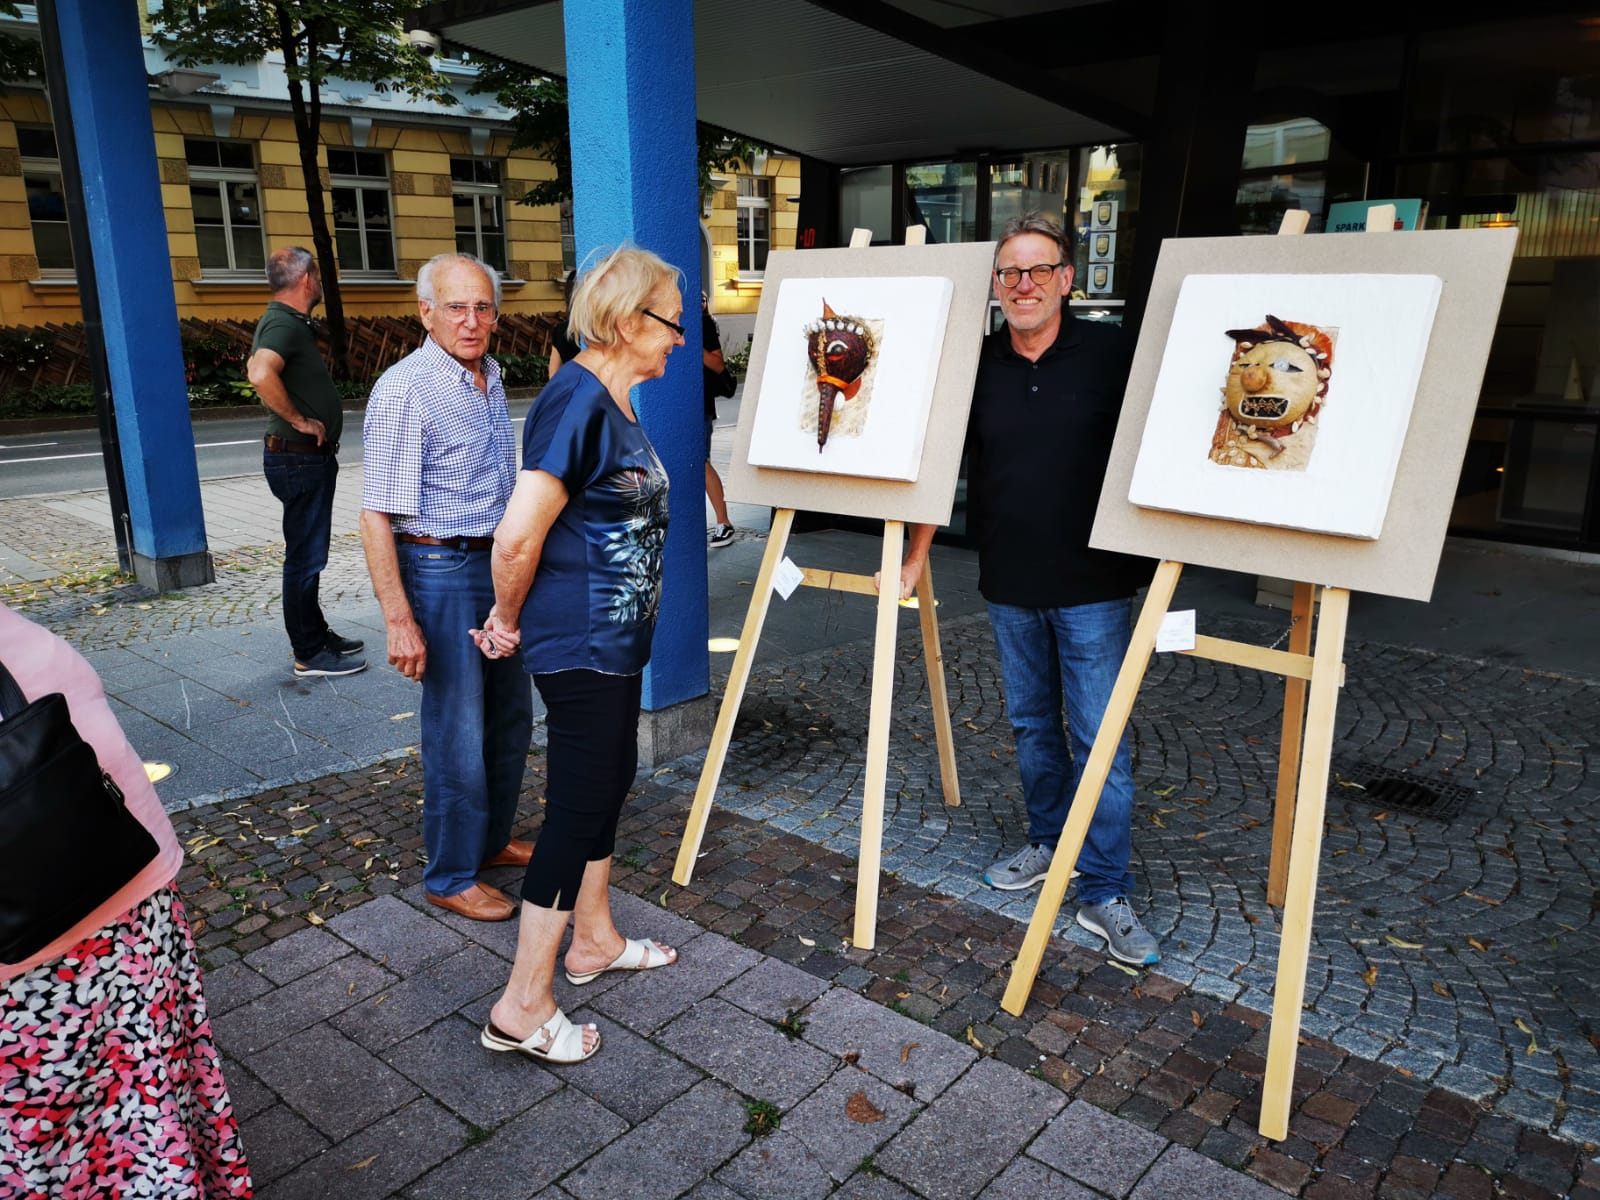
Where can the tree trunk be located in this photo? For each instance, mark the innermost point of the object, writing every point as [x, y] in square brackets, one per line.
[308, 131]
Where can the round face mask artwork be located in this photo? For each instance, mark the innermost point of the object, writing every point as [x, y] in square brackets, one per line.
[1276, 385]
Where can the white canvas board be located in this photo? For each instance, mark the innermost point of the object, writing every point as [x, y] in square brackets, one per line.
[877, 433]
[1379, 325]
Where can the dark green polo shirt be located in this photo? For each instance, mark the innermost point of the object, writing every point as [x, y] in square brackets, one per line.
[305, 375]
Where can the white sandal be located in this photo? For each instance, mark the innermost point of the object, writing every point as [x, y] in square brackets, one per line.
[635, 956]
[558, 1040]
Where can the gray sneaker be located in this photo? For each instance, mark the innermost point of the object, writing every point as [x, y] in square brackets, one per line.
[326, 662]
[1127, 940]
[1023, 869]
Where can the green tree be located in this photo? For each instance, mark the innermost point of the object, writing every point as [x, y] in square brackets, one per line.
[356, 40]
[541, 125]
[19, 56]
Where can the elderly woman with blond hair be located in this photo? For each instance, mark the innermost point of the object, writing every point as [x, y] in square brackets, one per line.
[577, 579]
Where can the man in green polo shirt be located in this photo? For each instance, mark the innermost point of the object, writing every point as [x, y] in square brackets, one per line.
[300, 455]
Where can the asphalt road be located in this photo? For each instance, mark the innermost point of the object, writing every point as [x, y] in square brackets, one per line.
[34, 464]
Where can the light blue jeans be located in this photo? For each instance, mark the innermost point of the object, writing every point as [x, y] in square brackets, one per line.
[477, 717]
[1047, 654]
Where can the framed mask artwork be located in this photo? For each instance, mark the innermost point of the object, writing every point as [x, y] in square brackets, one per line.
[849, 376]
[1102, 247]
[1100, 277]
[1285, 400]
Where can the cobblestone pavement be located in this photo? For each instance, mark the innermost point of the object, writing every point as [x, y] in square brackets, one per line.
[1451, 1029]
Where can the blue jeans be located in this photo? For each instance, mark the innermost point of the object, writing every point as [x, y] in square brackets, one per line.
[1078, 651]
[303, 484]
[477, 717]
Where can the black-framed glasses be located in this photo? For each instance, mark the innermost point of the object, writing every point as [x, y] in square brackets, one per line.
[1040, 273]
[672, 325]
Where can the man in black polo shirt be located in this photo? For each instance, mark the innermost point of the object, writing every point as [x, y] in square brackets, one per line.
[1044, 410]
[299, 458]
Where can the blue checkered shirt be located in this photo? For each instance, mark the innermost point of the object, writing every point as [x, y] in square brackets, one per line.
[439, 455]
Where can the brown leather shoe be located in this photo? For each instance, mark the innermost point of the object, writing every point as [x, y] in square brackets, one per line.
[480, 902]
[516, 854]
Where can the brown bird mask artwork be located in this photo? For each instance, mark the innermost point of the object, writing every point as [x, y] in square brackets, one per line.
[840, 349]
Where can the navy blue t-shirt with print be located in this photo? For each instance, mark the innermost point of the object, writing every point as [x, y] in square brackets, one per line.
[595, 595]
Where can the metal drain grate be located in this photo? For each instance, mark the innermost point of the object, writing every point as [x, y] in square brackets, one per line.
[1386, 788]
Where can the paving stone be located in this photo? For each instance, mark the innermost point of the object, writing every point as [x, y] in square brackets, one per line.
[841, 1142]
[333, 1082]
[246, 1092]
[420, 999]
[377, 1162]
[631, 1075]
[393, 933]
[661, 1158]
[231, 985]
[968, 1135]
[777, 1167]
[1181, 1174]
[1026, 1179]
[296, 955]
[485, 1089]
[639, 918]
[747, 1053]
[526, 1153]
[298, 1005]
[875, 1187]
[276, 1140]
[647, 1000]
[1097, 1148]
[772, 990]
[843, 1023]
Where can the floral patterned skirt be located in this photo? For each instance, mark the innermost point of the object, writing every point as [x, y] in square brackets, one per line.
[110, 1083]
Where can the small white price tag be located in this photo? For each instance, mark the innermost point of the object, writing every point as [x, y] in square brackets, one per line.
[1177, 631]
[787, 577]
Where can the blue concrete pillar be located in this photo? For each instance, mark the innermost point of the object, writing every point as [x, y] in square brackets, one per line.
[110, 103]
[630, 88]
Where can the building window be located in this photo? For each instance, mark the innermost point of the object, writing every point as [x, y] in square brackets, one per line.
[47, 203]
[227, 205]
[755, 225]
[363, 230]
[480, 207]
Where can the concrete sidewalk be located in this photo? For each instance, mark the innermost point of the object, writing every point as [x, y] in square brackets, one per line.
[1451, 1022]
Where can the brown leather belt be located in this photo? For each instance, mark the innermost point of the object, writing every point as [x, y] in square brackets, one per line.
[459, 543]
[280, 445]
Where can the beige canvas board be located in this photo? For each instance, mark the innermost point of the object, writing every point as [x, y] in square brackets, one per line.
[931, 496]
[1472, 266]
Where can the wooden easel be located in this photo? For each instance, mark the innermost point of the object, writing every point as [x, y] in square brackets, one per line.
[1301, 800]
[872, 799]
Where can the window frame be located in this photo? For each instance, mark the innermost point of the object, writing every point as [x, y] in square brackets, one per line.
[49, 168]
[746, 207]
[359, 183]
[478, 192]
[223, 178]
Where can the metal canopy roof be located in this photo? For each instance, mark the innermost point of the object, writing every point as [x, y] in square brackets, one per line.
[849, 83]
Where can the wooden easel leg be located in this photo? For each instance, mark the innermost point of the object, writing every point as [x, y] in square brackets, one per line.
[1295, 944]
[938, 693]
[866, 931]
[1090, 784]
[1294, 722]
[716, 754]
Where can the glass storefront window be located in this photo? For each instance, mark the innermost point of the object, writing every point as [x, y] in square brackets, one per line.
[944, 197]
[866, 201]
[1103, 220]
[1037, 183]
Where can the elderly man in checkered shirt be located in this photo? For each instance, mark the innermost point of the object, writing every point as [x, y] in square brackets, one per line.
[440, 463]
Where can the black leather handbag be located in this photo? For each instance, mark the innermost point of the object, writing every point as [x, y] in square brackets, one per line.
[67, 839]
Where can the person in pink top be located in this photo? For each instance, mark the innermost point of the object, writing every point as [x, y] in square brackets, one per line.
[110, 1082]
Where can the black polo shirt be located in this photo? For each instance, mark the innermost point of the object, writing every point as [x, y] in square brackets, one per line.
[1038, 441]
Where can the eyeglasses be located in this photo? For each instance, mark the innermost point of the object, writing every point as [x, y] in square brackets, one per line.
[458, 312]
[1040, 273]
[672, 325]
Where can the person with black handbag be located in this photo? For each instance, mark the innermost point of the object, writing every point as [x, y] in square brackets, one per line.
[112, 1082]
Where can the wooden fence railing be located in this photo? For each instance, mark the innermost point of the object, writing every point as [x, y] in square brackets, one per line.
[376, 343]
